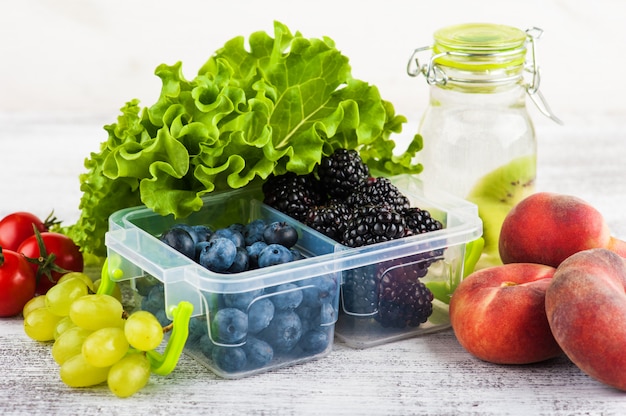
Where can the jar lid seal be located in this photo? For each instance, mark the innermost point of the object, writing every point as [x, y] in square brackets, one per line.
[480, 38]
[480, 46]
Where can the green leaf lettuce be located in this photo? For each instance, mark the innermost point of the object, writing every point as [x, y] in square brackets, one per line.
[279, 105]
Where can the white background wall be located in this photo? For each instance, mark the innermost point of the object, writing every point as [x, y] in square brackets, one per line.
[91, 56]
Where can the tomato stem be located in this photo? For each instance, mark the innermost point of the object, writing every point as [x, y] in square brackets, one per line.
[45, 262]
[50, 221]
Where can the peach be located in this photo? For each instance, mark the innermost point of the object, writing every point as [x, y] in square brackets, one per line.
[547, 228]
[498, 314]
[586, 310]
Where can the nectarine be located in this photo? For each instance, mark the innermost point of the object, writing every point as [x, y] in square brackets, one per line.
[498, 314]
[586, 310]
[547, 228]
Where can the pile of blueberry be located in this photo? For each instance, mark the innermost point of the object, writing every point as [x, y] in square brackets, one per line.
[259, 328]
[246, 331]
[235, 248]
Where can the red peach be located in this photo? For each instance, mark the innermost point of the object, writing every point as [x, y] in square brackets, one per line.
[547, 228]
[498, 314]
[586, 310]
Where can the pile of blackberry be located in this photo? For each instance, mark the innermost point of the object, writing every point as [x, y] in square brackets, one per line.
[342, 201]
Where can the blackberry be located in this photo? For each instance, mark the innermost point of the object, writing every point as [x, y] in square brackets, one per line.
[372, 224]
[293, 194]
[378, 191]
[404, 300]
[391, 290]
[329, 219]
[341, 172]
[419, 221]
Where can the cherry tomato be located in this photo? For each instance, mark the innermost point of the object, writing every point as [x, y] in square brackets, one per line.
[60, 252]
[17, 227]
[17, 282]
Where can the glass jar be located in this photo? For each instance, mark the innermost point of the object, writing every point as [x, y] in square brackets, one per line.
[479, 140]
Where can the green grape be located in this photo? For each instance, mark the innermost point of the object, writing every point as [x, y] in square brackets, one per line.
[64, 324]
[143, 331]
[129, 375]
[97, 311]
[60, 296]
[40, 324]
[35, 303]
[78, 275]
[105, 347]
[69, 344]
[77, 372]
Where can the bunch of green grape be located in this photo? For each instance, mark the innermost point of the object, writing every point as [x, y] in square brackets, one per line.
[94, 340]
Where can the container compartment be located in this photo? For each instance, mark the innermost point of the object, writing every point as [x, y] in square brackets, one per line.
[242, 323]
[382, 295]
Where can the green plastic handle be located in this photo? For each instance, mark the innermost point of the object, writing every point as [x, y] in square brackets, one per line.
[163, 364]
[106, 284]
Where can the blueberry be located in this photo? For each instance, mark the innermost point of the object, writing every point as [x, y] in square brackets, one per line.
[258, 352]
[253, 253]
[260, 315]
[309, 316]
[237, 227]
[143, 285]
[162, 317]
[319, 290]
[328, 314]
[284, 332]
[202, 245]
[198, 233]
[230, 233]
[327, 286]
[229, 326]
[253, 231]
[241, 300]
[280, 232]
[197, 329]
[203, 233]
[297, 255]
[218, 255]
[155, 300]
[274, 254]
[206, 345]
[229, 359]
[314, 341]
[310, 297]
[288, 296]
[180, 240]
[240, 264]
[187, 228]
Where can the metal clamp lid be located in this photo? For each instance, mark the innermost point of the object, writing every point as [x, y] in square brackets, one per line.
[532, 89]
[435, 75]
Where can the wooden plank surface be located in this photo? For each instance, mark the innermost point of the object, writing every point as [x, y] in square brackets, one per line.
[40, 159]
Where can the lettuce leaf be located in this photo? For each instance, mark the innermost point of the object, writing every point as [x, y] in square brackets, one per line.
[278, 106]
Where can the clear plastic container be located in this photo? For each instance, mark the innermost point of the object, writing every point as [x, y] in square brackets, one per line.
[163, 278]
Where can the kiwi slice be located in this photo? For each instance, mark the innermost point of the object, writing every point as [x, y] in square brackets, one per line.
[495, 194]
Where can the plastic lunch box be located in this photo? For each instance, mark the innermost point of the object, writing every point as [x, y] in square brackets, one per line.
[164, 279]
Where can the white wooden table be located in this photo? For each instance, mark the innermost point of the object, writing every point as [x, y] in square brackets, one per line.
[41, 157]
